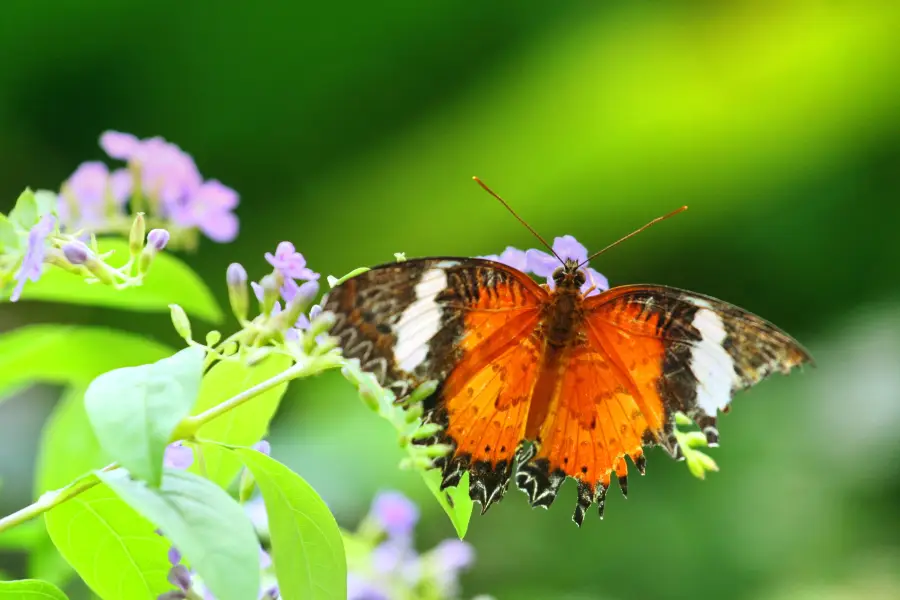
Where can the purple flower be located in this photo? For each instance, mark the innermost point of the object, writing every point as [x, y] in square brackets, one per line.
[174, 556]
[208, 208]
[121, 146]
[395, 513]
[170, 175]
[263, 446]
[290, 262]
[33, 261]
[361, 589]
[158, 238]
[454, 555]
[512, 257]
[178, 456]
[569, 249]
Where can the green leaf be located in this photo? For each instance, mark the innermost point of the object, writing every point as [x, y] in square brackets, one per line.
[30, 589]
[9, 237]
[69, 354]
[204, 523]
[134, 410]
[69, 446]
[25, 212]
[306, 542]
[47, 202]
[113, 549]
[243, 426]
[170, 282]
[454, 500]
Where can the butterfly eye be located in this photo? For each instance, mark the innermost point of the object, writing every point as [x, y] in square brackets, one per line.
[579, 279]
[558, 275]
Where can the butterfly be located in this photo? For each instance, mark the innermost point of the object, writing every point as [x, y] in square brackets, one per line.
[551, 381]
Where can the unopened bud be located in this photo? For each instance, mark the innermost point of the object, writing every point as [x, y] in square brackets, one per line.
[76, 253]
[238, 296]
[136, 237]
[158, 238]
[271, 291]
[180, 321]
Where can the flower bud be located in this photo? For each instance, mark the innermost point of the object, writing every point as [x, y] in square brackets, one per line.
[238, 296]
[271, 291]
[181, 322]
[158, 238]
[136, 236]
[76, 253]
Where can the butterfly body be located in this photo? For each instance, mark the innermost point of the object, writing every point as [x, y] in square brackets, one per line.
[555, 381]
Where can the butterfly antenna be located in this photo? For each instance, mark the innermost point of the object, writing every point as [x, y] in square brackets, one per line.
[634, 233]
[521, 220]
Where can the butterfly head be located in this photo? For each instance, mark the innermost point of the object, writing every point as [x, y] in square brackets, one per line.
[569, 276]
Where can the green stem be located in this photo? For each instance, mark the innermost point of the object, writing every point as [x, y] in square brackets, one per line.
[185, 430]
[51, 499]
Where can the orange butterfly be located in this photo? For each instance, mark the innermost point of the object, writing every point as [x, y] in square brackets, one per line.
[560, 380]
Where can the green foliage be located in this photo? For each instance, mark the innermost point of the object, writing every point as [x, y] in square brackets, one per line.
[30, 589]
[455, 500]
[406, 419]
[69, 354]
[26, 212]
[111, 547]
[204, 523]
[171, 282]
[134, 410]
[306, 543]
[242, 426]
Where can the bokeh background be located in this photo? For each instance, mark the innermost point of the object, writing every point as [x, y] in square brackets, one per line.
[353, 130]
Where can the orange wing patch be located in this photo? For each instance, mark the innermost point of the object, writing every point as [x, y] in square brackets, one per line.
[600, 414]
[484, 402]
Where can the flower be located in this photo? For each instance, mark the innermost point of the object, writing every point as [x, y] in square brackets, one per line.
[89, 188]
[208, 208]
[290, 263]
[263, 446]
[168, 178]
[454, 554]
[33, 261]
[179, 576]
[178, 456]
[395, 513]
[359, 588]
[568, 249]
[511, 257]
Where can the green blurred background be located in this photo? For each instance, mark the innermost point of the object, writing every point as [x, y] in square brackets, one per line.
[353, 130]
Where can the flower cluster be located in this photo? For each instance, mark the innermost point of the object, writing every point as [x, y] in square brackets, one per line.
[542, 264]
[385, 564]
[160, 179]
[30, 238]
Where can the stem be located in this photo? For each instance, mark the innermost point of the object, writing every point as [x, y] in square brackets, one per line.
[299, 369]
[188, 427]
[49, 500]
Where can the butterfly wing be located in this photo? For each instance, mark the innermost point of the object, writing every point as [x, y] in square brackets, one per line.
[646, 353]
[465, 323]
[710, 349]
